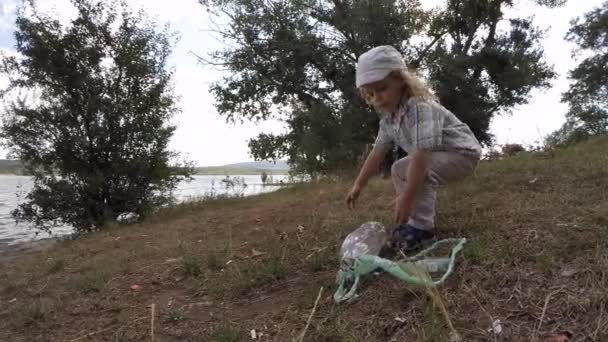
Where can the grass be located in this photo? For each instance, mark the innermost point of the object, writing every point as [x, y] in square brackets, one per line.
[477, 250]
[215, 262]
[227, 333]
[175, 315]
[91, 282]
[191, 265]
[529, 220]
[36, 312]
[433, 327]
[338, 331]
[55, 265]
[256, 274]
[322, 261]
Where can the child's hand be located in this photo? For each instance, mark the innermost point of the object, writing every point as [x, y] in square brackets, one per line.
[352, 196]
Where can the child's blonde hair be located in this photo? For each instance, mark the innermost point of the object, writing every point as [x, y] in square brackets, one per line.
[412, 86]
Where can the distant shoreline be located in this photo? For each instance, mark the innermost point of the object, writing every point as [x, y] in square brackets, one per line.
[15, 168]
[209, 171]
[9, 252]
[223, 171]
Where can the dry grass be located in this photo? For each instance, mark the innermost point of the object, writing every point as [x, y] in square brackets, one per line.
[537, 226]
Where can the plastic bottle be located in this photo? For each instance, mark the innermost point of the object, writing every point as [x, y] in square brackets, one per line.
[434, 265]
[368, 239]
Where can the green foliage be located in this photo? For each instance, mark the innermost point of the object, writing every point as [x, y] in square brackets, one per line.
[298, 58]
[226, 333]
[264, 177]
[588, 94]
[55, 265]
[191, 265]
[88, 113]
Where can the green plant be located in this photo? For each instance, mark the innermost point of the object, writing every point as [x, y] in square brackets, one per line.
[214, 261]
[191, 265]
[320, 261]
[94, 148]
[55, 265]
[175, 315]
[91, 282]
[226, 333]
[433, 328]
[256, 274]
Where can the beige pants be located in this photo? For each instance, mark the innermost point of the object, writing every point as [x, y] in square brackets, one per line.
[444, 168]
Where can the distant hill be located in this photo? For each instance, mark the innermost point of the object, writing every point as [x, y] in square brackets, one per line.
[265, 165]
[246, 168]
[14, 167]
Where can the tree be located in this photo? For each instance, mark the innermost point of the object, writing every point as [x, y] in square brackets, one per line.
[587, 97]
[87, 109]
[264, 177]
[297, 58]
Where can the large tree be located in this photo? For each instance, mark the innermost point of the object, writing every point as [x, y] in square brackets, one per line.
[87, 110]
[296, 59]
[587, 97]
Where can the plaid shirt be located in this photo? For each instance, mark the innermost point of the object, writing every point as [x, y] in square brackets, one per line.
[420, 124]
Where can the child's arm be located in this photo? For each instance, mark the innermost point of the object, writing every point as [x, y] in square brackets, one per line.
[370, 167]
[416, 173]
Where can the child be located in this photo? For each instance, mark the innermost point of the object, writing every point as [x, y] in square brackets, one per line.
[441, 149]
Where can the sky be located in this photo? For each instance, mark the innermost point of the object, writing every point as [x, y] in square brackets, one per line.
[207, 139]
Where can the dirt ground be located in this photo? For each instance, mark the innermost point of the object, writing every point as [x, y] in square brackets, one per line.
[536, 259]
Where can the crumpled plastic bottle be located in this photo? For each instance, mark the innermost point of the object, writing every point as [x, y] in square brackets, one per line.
[368, 239]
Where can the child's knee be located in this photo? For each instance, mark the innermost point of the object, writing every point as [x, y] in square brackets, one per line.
[399, 169]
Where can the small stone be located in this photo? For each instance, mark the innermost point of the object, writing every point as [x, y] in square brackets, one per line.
[569, 272]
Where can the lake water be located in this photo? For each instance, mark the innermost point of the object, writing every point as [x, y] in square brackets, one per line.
[12, 188]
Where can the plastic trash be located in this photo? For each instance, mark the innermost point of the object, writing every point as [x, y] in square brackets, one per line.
[433, 265]
[368, 239]
[415, 270]
[127, 218]
[496, 327]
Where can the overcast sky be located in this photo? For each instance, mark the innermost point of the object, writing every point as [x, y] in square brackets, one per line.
[208, 140]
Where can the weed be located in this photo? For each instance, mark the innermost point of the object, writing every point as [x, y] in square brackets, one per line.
[216, 292]
[320, 261]
[55, 265]
[36, 311]
[258, 274]
[547, 263]
[226, 333]
[191, 265]
[175, 315]
[91, 282]
[214, 261]
[336, 330]
[477, 250]
[433, 328]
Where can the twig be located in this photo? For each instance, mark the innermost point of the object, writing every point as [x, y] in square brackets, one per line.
[542, 316]
[599, 322]
[482, 309]
[152, 311]
[436, 297]
[104, 330]
[317, 250]
[230, 251]
[312, 313]
[437, 301]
